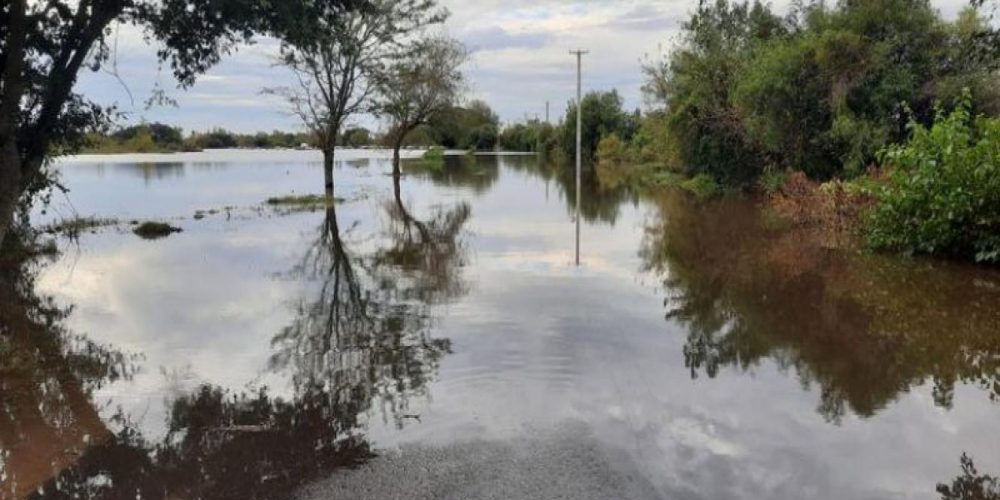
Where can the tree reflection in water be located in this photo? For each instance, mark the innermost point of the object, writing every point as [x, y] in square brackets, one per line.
[47, 378]
[366, 334]
[363, 338]
[971, 484]
[863, 328]
[473, 172]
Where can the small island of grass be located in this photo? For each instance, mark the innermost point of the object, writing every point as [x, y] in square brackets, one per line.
[151, 230]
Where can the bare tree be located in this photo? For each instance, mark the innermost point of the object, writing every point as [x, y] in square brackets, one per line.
[416, 87]
[339, 54]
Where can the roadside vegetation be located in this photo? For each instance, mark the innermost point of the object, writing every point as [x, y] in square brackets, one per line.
[875, 118]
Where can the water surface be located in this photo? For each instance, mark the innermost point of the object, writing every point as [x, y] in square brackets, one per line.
[442, 331]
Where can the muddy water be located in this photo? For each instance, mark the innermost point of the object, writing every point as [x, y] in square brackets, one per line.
[441, 343]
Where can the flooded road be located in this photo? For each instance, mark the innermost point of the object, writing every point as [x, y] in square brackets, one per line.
[436, 341]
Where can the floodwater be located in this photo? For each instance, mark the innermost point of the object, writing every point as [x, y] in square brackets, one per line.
[439, 342]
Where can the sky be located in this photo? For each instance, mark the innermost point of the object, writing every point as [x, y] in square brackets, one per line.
[520, 60]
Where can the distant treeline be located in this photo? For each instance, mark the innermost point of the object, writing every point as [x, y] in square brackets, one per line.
[161, 138]
[474, 126]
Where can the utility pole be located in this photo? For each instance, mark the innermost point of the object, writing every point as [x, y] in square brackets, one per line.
[579, 132]
[546, 111]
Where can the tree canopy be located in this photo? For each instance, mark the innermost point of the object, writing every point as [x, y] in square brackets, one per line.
[820, 90]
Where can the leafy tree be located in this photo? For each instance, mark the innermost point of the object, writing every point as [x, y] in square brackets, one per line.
[416, 87]
[602, 116]
[473, 126]
[356, 136]
[217, 138]
[339, 53]
[532, 136]
[44, 46]
[820, 91]
[695, 86]
[162, 135]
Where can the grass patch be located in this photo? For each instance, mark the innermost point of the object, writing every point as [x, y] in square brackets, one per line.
[645, 176]
[201, 214]
[77, 225]
[303, 201]
[702, 186]
[434, 158]
[151, 230]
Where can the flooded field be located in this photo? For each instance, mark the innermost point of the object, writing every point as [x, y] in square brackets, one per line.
[435, 340]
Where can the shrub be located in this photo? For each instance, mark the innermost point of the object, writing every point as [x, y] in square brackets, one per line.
[772, 180]
[702, 186]
[611, 151]
[434, 158]
[152, 230]
[943, 195]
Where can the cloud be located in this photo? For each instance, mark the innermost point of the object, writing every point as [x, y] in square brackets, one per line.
[648, 17]
[497, 38]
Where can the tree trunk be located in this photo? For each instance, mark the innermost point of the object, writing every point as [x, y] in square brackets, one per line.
[10, 185]
[328, 154]
[396, 172]
[397, 192]
[10, 107]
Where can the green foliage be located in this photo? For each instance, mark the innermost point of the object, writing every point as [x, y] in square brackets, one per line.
[303, 200]
[532, 136]
[163, 136]
[355, 137]
[265, 140]
[702, 186]
[72, 228]
[943, 194]
[611, 150]
[483, 137]
[433, 158]
[473, 126]
[653, 143]
[696, 87]
[423, 83]
[159, 138]
[820, 91]
[602, 115]
[772, 180]
[214, 139]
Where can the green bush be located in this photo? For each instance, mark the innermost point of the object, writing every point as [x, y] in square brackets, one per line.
[152, 230]
[819, 91]
[943, 193]
[611, 151]
[772, 180]
[433, 158]
[702, 186]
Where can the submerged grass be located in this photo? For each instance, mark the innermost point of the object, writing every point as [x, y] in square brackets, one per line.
[303, 201]
[75, 226]
[645, 176]
[151, 230]
[433, 159]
